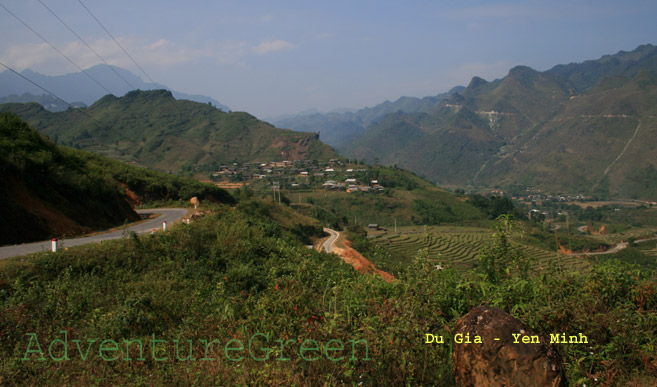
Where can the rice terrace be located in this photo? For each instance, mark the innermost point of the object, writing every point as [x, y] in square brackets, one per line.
[343, 193]
[459, 246]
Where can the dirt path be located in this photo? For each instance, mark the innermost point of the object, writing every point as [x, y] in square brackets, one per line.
[636, 131]
[353, 257]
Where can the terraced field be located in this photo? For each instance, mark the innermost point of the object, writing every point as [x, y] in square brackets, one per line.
[649, 248]
[651, 253]
[459, 246]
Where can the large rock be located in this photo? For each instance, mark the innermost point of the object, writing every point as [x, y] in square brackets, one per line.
[502, 362]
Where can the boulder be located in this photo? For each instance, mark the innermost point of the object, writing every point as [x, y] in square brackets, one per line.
[503, 362]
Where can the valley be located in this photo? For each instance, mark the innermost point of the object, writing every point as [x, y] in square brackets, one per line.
[550, 216]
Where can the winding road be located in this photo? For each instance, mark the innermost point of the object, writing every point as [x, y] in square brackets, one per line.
[328, 245]
[169, 215]
[620, 246]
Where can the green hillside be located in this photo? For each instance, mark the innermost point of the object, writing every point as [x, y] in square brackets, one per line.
[50, 190]
[554, 131]
[153, 129]
[47, 191]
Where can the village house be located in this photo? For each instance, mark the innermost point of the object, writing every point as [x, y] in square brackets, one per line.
[329, 184]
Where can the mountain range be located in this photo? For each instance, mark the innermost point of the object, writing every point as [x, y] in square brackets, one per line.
[340, 127]
[79, 89]
[580, 128]
[584, 128]
[153, 129]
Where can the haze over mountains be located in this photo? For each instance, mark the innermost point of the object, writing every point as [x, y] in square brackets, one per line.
[339, 128]
[78, 89]
[583, 127]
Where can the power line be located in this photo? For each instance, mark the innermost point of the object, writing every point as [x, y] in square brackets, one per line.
[173, 104]
[119, 44]
[35, 84]
[70, 105]
[55, 48]
[88, 46]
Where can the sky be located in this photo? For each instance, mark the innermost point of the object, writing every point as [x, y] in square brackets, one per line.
[283, 57]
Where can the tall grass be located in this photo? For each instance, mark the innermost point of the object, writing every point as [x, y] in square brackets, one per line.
[238, 272]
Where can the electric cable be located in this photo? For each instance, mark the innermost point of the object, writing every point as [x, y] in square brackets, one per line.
[88, 46]
[55, 48]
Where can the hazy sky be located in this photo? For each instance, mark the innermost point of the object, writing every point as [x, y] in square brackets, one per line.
[275, 57]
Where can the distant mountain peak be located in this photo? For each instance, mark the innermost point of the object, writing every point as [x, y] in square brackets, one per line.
[477, 82]
[522, 69]
[78, 87]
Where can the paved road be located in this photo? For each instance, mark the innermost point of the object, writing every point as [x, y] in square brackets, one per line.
[620, 246]
[329, 242]
[613, 250]
[170, 215]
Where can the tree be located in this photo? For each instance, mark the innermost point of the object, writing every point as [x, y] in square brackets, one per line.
[499, 260]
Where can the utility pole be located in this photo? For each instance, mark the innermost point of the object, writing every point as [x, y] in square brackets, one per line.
[556, 238]
[568, 229]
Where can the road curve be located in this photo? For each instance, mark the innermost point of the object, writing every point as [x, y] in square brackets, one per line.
[620, 246]
[169, 215]
[328, 245]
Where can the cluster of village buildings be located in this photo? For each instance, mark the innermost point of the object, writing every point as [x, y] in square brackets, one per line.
[332, 175]
[539, 197]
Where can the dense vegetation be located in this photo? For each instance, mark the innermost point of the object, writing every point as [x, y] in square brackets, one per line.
[49, 190]
[495, 206]
[426, 205]
[43, 183]
[244, 271]
[150, 186]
